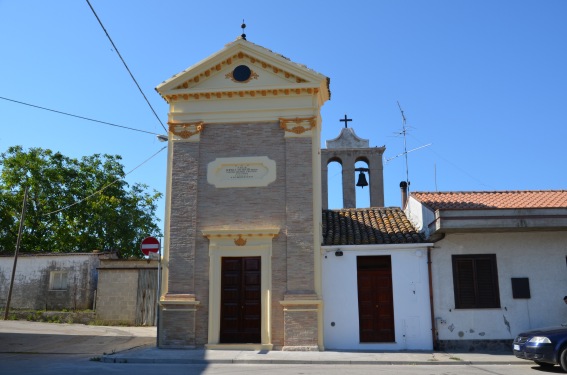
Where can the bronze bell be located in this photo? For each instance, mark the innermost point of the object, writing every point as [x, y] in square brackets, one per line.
[362, 180]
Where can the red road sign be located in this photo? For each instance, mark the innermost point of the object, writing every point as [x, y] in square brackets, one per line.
[149, 245]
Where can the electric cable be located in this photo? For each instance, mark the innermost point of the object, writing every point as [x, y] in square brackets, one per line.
[77, 116]
[126, 66]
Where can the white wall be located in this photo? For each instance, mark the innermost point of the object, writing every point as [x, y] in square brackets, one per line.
[412, 317]
[31, 281]
[419, 215]
[540, 256]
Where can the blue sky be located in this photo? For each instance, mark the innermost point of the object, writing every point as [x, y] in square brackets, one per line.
[483, 82]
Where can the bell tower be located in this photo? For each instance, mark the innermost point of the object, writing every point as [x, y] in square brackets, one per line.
[347, 149]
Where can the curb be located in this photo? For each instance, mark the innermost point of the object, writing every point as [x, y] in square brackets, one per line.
[111, 359]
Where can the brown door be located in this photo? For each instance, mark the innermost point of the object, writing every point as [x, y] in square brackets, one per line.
[240, 300]
[375, 299]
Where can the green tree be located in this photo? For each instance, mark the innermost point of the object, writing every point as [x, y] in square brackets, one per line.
[73, 205]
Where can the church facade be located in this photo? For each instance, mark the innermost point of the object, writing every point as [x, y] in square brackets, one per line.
[251, 250]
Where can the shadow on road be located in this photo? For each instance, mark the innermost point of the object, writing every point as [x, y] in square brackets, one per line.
[52, 338]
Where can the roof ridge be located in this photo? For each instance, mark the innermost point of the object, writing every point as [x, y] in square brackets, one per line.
[487, 191]
[503, 199]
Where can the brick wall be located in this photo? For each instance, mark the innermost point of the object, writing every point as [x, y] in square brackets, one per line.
[301, 329]
[287, 203]
[256, 207]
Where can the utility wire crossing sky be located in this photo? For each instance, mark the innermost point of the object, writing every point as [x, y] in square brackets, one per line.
[483, 82]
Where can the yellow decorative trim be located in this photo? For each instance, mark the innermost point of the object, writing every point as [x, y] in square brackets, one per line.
[229, 94]
[229, 61]
[229, 233]
[176, 309]
[165, 300]
[187, 130]
[240, 241]
[302, 125]
[253, 75]
[219, 248]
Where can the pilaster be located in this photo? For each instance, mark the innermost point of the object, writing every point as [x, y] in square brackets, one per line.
[178, 305]
[300, 304]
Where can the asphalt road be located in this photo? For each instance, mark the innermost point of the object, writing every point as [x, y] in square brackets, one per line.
[59, 349]
[80, 365]
[52, 338]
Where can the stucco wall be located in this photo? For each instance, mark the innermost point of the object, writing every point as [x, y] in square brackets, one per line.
[540, 256]
[31, 283]
[412, 317]
[419, 215]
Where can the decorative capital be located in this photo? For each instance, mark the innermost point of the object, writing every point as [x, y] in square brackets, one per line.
[297, 126]
[240, 241]
[186, 130]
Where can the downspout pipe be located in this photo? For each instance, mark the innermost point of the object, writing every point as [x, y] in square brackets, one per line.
[433, 325]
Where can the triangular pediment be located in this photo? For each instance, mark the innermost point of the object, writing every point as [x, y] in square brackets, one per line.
[243, 68]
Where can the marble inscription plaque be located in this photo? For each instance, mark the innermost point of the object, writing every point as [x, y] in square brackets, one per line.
[256, 171]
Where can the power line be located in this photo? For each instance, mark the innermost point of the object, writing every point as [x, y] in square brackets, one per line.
[106, 186]
[77, 116]
[454, 165]
[125, 65]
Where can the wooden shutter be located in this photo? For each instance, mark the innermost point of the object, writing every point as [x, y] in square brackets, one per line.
[487, 282]
[475, 281]
[465, 296]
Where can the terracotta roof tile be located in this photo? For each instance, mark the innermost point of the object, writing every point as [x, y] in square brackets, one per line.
[460, 200]
[366, 226]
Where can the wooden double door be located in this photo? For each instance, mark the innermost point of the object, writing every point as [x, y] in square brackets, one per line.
[375, 299]
[241, 302]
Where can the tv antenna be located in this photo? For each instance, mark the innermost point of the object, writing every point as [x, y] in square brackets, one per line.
[406, 152]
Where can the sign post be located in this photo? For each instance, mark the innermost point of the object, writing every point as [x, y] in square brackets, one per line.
[151, 247]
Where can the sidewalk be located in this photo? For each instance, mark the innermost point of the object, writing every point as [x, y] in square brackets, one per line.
[200, 356]
[137, 345]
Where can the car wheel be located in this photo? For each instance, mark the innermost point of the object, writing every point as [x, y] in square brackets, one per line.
[563, 359]
[544, 364]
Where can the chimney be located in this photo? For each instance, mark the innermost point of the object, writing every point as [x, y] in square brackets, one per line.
[404, 190]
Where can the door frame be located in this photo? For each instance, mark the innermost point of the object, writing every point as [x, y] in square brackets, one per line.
[239, 243]
[391, 293]
[241, 297]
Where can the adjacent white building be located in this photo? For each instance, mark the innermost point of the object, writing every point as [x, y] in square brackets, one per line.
[498, 263]
[411, 320]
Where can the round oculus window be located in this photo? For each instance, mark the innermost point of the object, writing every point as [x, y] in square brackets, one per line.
[241, 73]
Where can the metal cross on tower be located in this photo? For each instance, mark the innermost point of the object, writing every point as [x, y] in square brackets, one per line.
[345, 120]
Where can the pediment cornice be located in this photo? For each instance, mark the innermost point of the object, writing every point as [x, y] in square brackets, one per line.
[234, 60]
[272, 75]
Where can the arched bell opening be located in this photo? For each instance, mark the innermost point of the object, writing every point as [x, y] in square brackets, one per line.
[335, 183]
[362, 182]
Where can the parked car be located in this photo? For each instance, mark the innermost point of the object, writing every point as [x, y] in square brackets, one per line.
[546, 346]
